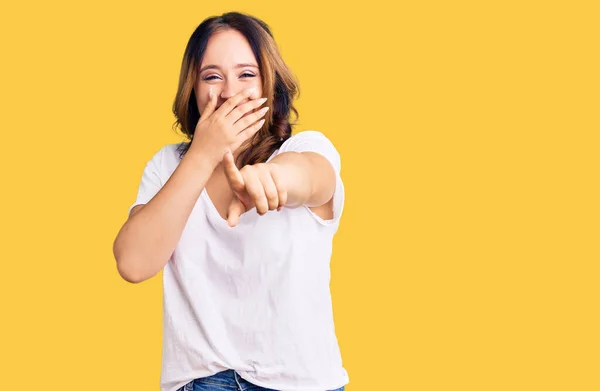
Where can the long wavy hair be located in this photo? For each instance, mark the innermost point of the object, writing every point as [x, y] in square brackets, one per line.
[280, 86]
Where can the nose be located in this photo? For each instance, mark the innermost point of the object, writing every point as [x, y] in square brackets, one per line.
[229, 90]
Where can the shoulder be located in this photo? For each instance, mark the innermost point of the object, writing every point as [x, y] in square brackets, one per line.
[313, 141]
[170, 151]
[304, 137]
[174, 148]
[166, 149]
[165, 159]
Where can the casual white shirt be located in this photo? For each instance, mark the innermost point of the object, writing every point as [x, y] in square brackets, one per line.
[254, 298]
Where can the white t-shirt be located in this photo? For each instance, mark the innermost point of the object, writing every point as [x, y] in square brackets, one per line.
[254, 298]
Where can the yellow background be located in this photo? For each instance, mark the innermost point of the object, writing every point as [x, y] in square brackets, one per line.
[467, 256]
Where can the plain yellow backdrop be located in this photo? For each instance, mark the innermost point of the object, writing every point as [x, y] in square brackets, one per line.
[467, 256]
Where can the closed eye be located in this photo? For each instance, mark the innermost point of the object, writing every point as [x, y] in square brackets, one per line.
[244, 74]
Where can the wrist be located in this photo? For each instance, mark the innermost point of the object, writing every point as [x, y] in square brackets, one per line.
[289, 179]
[201, 160]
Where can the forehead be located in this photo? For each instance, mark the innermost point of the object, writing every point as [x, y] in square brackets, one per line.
[227, 48]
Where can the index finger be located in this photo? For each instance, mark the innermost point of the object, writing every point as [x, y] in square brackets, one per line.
[233, 175]
[209, 108]
[232, 102]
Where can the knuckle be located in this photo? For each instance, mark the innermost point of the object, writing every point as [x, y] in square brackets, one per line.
[227, 105]
[264, 204]
[219, 121]
[272, 199]
[246, 168]
[243, 122]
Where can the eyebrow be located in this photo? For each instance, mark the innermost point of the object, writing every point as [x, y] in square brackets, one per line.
[237, 66]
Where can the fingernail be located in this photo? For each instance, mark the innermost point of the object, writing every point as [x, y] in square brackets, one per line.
[210, 93]
[264, 109]
[262, 100]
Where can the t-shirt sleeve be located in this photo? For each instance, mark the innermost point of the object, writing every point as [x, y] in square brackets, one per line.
[314, 141]
[151, 181]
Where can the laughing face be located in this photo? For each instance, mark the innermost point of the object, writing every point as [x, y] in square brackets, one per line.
[228, 67]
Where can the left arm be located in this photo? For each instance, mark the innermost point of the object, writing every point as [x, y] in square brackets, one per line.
[308, 178]
[290, 179]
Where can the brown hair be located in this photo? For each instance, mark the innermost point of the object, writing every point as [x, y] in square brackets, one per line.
[279, 85]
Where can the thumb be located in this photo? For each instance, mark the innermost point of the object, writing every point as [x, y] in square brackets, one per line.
[235, 210]
[209, 108]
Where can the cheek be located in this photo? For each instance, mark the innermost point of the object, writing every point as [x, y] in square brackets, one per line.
[202, 98]
[201, 92]
[200, 103]
[199, 97]
[257, 83]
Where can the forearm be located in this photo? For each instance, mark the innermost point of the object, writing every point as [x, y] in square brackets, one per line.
[307, 177]
[148, 238]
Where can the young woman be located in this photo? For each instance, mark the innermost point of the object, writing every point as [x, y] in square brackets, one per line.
[245, 252]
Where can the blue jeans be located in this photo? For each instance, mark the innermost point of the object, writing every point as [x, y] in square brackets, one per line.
[227, 380]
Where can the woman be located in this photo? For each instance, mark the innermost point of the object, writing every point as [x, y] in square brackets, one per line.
[247, 304]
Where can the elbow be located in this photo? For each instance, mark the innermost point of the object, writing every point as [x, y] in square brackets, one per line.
[125, 266]
[127, 274]
[134, 268]
[136, 263]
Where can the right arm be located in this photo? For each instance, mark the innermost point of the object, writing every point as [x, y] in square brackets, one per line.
[148, 238]
[146, 241]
